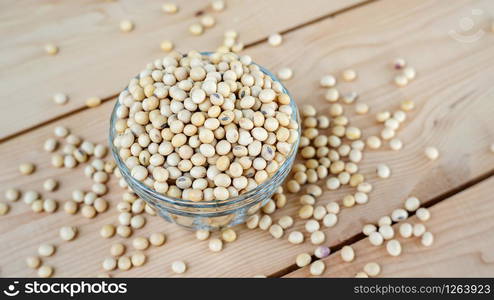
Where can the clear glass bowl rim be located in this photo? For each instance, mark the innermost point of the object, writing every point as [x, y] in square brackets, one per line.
[204, 204]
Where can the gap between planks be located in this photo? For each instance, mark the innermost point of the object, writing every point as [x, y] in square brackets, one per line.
[360, 236]
[249, 45]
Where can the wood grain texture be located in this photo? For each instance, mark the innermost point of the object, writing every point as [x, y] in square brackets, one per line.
[97, 59]
[454, 108]
[463, 242]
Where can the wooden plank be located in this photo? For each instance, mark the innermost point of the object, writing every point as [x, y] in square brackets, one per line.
[463, 242]
[454, 112]
[83, 256]
[96, 59]
[440, 118]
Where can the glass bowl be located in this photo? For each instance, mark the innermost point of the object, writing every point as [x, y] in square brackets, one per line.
[209, 215]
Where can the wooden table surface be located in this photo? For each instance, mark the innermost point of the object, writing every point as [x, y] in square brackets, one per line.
[454, 97]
